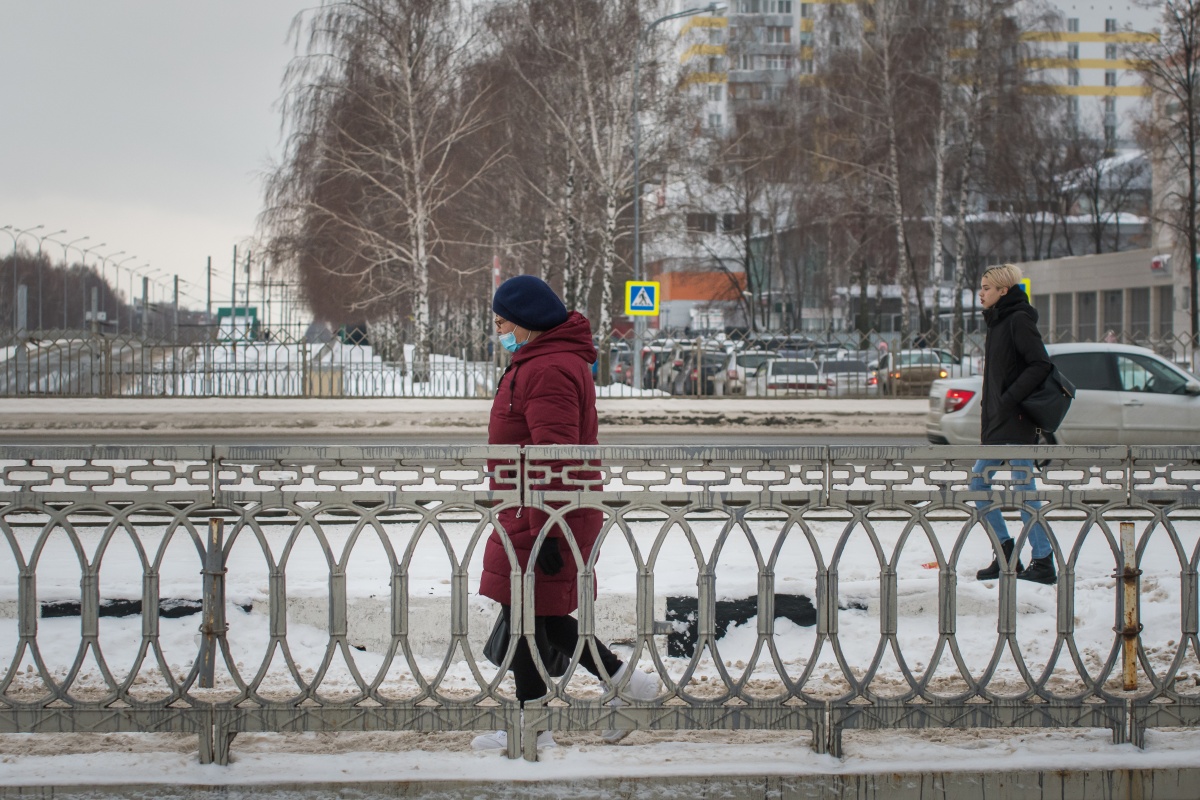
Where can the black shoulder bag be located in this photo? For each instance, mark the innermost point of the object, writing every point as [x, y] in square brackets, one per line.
[1050, 402]
[555, 660]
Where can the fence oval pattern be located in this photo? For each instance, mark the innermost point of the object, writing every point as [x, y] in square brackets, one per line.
[219, 590]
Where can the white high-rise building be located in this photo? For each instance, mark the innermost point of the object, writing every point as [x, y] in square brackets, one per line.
[1084, 60]
[749, 55]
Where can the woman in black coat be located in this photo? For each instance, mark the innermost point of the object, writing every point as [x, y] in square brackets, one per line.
[1015, 364]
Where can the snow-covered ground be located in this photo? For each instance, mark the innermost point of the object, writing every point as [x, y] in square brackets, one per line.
[261, 758]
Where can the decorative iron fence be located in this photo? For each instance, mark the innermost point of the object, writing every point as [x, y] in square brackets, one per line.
[219, 590]
[80, 364]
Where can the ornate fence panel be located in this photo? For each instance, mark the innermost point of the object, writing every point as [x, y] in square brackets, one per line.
[218, 590]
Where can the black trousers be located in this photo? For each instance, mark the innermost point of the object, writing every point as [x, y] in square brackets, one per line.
[561, 633]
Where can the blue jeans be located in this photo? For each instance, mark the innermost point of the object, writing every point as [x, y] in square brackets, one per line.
[1021, 468]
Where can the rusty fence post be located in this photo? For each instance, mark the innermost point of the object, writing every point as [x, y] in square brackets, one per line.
[1131, 626]
[212, 626]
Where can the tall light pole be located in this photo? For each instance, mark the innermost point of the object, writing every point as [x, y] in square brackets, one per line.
[639, 323]
[67, 271]
[83, 280]
[40, 271]
[16, 234]
[117, 288]
[145, 300]
[104, 279]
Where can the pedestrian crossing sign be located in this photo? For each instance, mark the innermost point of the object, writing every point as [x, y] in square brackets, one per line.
[641, 298]
[1027, 286]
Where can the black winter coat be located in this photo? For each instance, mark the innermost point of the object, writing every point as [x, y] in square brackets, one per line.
[1015, 364]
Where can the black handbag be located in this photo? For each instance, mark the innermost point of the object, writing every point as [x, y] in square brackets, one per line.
[554, 660]
[1050, 402]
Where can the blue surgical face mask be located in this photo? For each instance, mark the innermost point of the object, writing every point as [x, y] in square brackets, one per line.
[509, 342]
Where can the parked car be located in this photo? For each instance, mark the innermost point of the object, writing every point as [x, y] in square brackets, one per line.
[849, 378]
[1124, 395]
[699, 372]
[910, 372]
[742, 365]
[622, 367]
[779, 377]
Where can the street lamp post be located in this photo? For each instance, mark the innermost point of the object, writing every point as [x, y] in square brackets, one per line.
[83, 281]
[40, 271]
[639, 323]
[67, 271]
[16, 234]
[104, 279]
[145, 309]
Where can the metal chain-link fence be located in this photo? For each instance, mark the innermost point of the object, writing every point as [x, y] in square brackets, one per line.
[848, 364]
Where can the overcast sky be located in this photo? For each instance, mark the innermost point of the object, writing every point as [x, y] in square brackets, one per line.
[144, 124]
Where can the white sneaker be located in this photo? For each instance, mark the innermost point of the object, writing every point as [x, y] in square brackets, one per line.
[642, 686]
[498, 740]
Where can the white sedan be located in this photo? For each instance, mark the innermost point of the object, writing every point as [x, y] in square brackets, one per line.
[1124, 395]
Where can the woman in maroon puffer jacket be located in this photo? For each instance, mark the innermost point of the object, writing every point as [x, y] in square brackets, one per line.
[546, 396]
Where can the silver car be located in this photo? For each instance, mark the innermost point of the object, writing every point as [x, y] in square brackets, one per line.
[1124, 395]
[849, 378]
[783, 377]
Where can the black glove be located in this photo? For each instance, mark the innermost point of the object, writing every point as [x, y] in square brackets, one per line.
[549, 558]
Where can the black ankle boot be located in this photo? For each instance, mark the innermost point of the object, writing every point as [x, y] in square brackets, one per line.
[992, 571]
[1041, 570]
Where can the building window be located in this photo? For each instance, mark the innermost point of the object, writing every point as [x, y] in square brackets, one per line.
[1110, 77]
[733, 223]
[1110, 52]
[1073, 51]
[716, 64]
[714, 93]
[805, 66]
[751, 7]
[1073, 77]
[779, 34]
[1114, 310]
[746, 61]
[1073, 25]
[1110, 109]
[1073, 107]
[702, 223]
[806, 38]
[777, 63]
[1166, 310]
[716, 35]
[1139, 313]
[806, 10]
[1086, 303]
[1110, 26]
[835, 39]
[714, 121]
[1062, 317]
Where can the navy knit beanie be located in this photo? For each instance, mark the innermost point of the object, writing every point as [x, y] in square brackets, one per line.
[529, 301]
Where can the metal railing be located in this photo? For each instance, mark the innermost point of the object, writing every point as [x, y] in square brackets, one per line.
[82, 364]
[335, 590]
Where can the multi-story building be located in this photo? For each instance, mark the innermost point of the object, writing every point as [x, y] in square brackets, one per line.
[1082, 56]
[748, 56]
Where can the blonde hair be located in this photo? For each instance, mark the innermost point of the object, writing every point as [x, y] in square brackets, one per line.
[1004, 276]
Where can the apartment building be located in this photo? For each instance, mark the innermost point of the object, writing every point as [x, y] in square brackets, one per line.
[1081, 55]
[1077, 48]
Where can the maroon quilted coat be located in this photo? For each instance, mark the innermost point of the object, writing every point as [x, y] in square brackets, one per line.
[546, 396]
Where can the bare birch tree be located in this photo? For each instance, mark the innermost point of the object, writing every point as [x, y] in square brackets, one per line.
[1170, 65]
[378, 110]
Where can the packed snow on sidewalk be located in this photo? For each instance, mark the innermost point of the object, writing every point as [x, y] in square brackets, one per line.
[677, 563]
